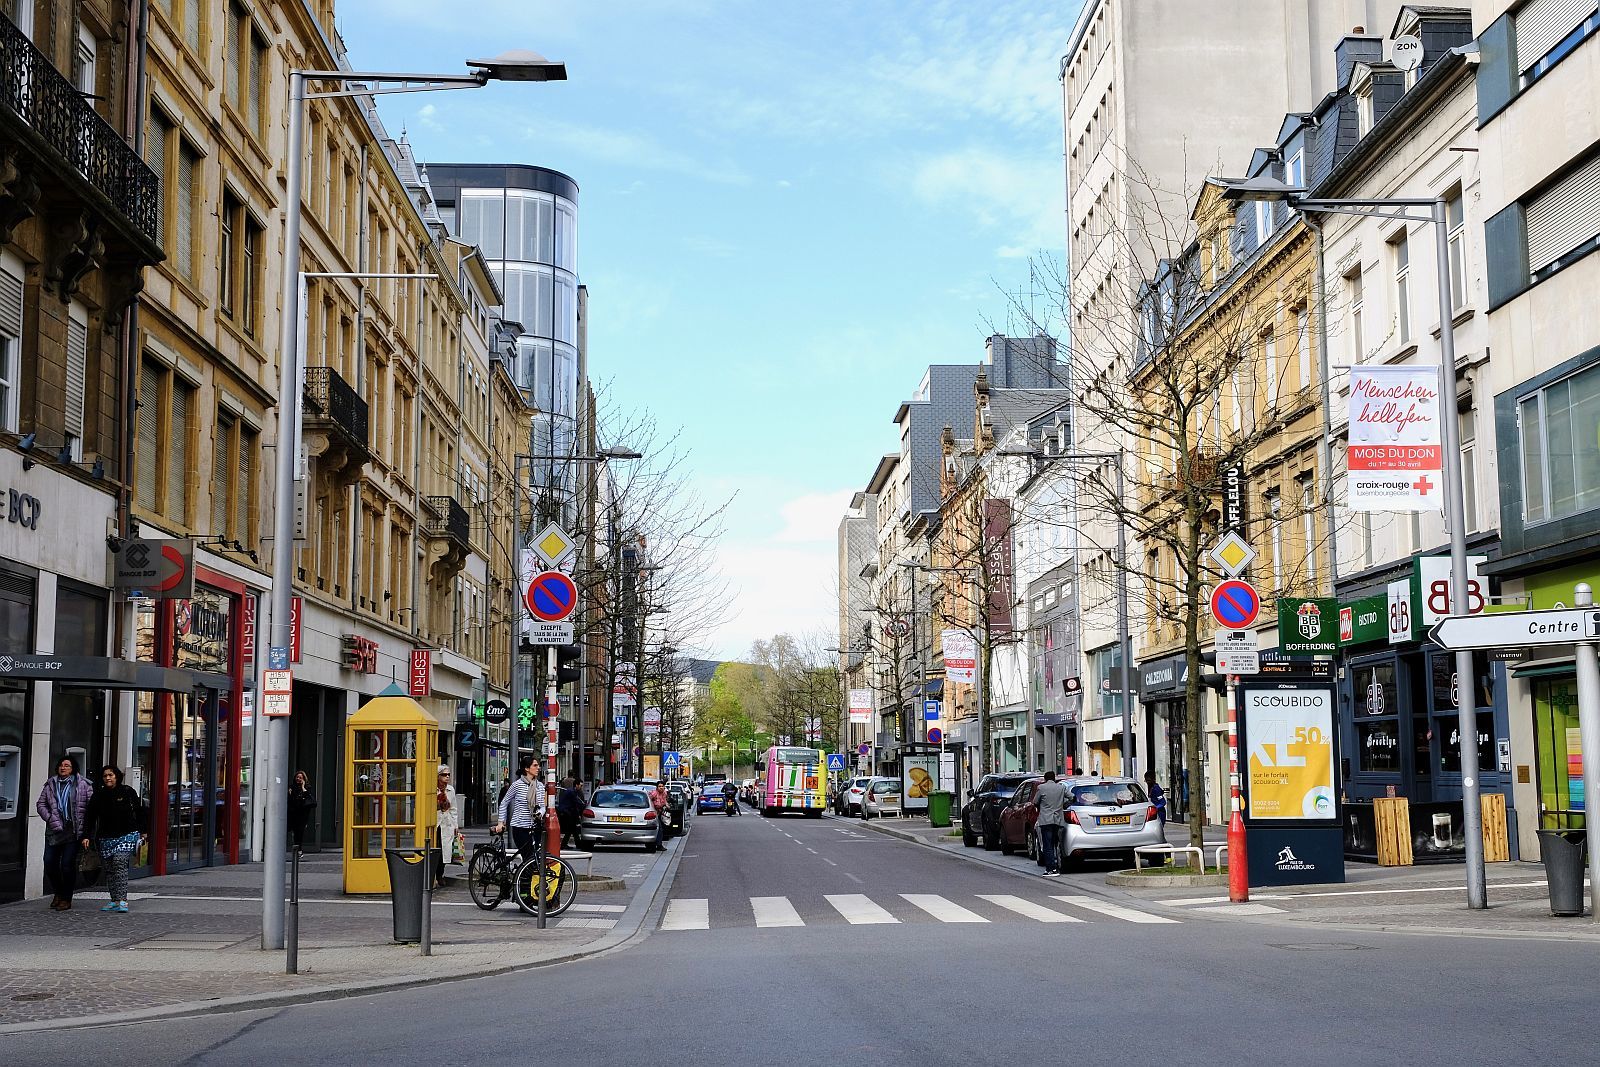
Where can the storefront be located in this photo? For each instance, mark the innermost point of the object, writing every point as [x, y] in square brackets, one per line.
[1008, 740]
[1162, 691]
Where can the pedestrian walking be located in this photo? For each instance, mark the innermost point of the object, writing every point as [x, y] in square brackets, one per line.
[301, 801]
[569, 808]
[523, 807]
[1158, 798]
[114, 822]
[63, 804]
[1051, 825]
[446, 819]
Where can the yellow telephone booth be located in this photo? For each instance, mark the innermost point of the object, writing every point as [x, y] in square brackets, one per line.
[391, 763]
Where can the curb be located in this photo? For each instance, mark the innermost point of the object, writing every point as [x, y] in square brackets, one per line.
[630, 926]
[1123, 880]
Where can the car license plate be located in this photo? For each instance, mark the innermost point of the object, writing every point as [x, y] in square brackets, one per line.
[1115, 820]
[619, 818]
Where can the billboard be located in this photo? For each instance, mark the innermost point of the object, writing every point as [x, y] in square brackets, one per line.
[998, 561]
[960, 650]
[1289, 738]
[861, 705]
[1395, 456]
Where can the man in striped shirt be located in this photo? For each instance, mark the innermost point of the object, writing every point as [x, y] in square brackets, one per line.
[523, 807]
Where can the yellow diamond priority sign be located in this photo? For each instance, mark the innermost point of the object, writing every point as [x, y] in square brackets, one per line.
[1233, 554]
[553, 545]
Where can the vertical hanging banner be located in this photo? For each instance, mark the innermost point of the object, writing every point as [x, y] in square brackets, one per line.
[860, 705]
[998, 563]
[960, 656]
[421, 672]
[1395, 456]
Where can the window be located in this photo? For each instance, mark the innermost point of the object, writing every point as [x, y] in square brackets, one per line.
[11, 292]
[20, 12]
[1401, 253]
[1295, 172]
[1545, 31]
[1269, 357]
[1456, 223]
[77, 378]
[83, 61]
[1357, 309]
[233, 489]
[1564, 218]
[1275, 518]
[233, 25]
[1302, 333]
[1263, 221]
[239, 264]
[1469, 466]
[172, 155]
[163, 441]
[1237, 398]
[1560, 452]
[1308, 525]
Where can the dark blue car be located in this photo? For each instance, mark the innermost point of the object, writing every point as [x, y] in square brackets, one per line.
[710, 799]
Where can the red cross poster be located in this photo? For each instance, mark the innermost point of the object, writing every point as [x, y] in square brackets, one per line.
[1395, 455]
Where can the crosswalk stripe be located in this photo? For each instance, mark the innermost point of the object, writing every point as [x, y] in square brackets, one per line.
[945, 911]
[858, 910]
[775, 911]
[1030, 909]
[1115, 911]
[687, 915]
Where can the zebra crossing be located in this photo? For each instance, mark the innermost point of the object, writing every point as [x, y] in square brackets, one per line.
[859, 909]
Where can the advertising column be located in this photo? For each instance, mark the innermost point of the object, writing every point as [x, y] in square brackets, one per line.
[1291, 806]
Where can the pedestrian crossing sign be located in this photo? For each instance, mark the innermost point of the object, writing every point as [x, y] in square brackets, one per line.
[835, 761]
[671, 761]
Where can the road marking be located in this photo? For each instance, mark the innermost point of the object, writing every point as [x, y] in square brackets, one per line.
[1184, 902]
[1242, 909]
[1029, 908]
[858, 910]
[812, 851]
[852, 877]
[609, 909]
[829, 862]
[946, 911]
[1386, 892]
[1115, 911]
[687, 915]
[775, 911]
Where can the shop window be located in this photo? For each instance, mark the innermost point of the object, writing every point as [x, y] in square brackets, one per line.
[1560, 460]
[1447, 724]
[16, 611]
[1377, 723]
[1559, 752]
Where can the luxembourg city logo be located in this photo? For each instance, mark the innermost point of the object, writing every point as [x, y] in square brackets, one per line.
[1310, 621]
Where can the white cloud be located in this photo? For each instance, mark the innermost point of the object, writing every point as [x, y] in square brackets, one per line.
[778, 590]
[813, 518]
[1020, 196]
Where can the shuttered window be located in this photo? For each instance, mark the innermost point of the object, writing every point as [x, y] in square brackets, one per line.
[77, 379]
[244, 489]
[191, 23]
[185, 209]
[231, 82]
[10, 349]
[221, 464]
[176, 503]
[147, 437]
[1542, 24]
[157, 134]
[1564, 217]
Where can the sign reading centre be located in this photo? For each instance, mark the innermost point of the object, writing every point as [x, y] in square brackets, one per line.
[1290, 771]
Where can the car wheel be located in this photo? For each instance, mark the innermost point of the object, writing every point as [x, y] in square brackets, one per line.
[968, 838]
[1033, 847]
[1006, 847]
[991, 839]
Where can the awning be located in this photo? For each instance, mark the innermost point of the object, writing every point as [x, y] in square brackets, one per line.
[103, 672]
[1543, 668]
[1099, 731]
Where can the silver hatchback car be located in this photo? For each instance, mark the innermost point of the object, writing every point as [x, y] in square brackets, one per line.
[620, 815]
[1108, 815]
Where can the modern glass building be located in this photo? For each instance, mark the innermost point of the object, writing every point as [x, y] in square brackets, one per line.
[525, 219]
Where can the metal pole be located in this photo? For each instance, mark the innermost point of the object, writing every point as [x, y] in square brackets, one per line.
[1238, 852]
[1125, 640]
[536, 880]
[288, 450]
[1324, 440]
[1587, 660]
[1455, 513]
[552, 745]
[292, 944]
[427, 899]
[514, 739]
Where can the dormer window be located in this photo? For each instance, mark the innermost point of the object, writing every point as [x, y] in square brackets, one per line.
[1294, 172]
[1263, 221]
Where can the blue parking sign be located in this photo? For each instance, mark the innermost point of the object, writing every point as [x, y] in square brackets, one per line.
[835, 761]
[930, 710]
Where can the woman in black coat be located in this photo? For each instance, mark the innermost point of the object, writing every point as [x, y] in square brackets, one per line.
[115, 821]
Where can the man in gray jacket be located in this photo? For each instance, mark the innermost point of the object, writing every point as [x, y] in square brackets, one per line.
[1052, 822]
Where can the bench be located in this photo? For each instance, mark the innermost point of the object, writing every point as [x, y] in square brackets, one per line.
[1169, 850]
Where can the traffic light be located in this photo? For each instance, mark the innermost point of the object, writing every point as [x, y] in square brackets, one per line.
[567, 667]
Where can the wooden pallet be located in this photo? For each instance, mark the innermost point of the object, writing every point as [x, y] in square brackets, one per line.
[1392, 818]
[1496, 845]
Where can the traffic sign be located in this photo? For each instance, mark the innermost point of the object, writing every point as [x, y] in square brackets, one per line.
[1238, 662]
[551, 596]
[1233, 554]
[835, 761]
[671, 761]
[277, 681]
[863, 748]
[553, 545]
[1561, 626]
[935, 735]
[278, 657]
[930, 710]
[1235, 604]
[1225, 641]
[276, 705]
[620, 722]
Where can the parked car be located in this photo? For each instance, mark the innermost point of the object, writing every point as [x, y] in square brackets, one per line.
[882, 795]
[1107, 815]
[851, 794]
[620, 815]
[980, 815]
[1018, 816]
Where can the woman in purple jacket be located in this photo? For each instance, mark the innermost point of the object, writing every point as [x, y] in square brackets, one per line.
[62, 804]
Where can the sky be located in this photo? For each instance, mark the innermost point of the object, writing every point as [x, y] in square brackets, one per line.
[787, 210]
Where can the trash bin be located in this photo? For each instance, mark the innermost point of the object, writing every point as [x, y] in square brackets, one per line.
[405, 891]
[1564, 855]
[939, 807]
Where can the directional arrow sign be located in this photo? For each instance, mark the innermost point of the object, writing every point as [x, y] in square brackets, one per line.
[1518, 629]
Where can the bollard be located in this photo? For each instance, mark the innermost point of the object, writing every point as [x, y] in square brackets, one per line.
[291, 944]
[536, 882]
[427, 901]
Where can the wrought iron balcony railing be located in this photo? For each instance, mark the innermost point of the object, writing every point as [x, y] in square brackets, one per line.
[454, 521]
[329, 395]
[32, 88]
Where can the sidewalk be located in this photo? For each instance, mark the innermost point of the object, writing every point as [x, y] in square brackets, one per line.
[191, 942]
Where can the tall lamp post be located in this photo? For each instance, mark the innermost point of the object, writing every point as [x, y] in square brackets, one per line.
[510, 66]
[1434, 210]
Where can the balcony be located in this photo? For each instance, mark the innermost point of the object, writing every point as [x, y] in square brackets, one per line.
[335, 425]
[449, 530]
[60, 159]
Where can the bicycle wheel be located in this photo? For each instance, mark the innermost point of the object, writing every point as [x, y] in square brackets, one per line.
[559, 886]
[486, 877]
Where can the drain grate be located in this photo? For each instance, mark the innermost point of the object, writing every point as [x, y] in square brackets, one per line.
[24, 997]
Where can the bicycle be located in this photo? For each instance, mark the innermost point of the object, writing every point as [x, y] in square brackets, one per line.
[495, 874]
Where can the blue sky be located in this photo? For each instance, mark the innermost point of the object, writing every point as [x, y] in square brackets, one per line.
[787, 210]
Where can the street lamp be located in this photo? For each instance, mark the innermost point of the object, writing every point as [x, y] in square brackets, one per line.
[510, 66]
[1434, 210]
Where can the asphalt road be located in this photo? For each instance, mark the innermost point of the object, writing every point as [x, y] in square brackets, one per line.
[972, 969]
